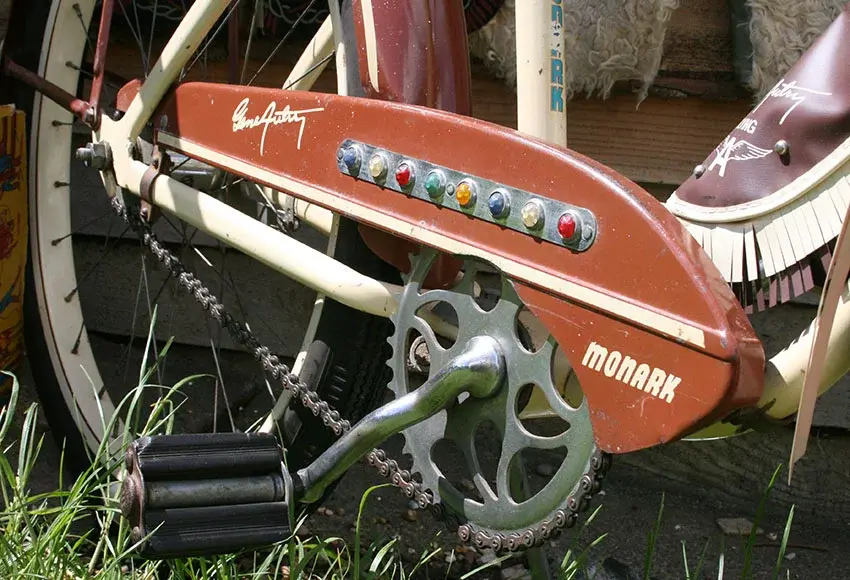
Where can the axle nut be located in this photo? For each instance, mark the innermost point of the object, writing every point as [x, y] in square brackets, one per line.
[95, 155]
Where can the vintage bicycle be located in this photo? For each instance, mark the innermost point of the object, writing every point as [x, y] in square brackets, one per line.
[478, 274]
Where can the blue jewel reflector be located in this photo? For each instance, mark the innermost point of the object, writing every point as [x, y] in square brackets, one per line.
[350, 157]
[499, 203]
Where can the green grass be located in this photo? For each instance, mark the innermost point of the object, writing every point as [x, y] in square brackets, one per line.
[76, 532]
[748, 548]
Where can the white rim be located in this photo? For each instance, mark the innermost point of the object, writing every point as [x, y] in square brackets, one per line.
[50, 217]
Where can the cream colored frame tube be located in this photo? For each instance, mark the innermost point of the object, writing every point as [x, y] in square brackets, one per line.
[310, 65]
[279, 251]
[541, 98]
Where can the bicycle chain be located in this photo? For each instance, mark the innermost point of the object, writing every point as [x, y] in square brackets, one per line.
[590, 482]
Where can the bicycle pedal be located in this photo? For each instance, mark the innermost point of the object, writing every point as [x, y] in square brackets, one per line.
[205, 494]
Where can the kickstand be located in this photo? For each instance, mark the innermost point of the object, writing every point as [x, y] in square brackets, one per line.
[535, 558]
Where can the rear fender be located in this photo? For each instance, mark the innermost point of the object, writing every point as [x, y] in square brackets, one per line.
[425, 62]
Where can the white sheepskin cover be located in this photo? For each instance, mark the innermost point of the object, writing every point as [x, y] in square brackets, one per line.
[781, 31]
[607, 41]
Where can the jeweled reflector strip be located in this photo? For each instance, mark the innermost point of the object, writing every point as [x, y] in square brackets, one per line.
[544, 218]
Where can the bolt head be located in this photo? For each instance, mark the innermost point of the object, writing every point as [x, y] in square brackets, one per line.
[89, 116]
[781, 147]
[699, 170]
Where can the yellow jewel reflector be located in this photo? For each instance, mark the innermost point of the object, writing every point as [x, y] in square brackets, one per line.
[532, 214]
[377, 166]
[465, 194]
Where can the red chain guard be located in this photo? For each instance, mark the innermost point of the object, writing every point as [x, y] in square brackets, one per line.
[645, 290]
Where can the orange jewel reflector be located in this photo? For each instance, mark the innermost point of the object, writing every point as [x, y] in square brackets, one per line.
[465, 194]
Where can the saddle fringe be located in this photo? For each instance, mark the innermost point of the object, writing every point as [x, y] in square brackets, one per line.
[770, 259]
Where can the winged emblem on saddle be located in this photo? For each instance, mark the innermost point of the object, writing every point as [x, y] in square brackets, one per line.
[734, 149]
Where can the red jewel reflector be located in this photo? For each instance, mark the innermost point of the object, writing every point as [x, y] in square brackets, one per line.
[404, 174]
[567, 226]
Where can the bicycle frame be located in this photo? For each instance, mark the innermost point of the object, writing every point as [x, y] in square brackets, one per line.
[279, 251]
[538, 117]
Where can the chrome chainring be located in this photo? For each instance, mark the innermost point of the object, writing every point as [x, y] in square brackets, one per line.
[501, 504]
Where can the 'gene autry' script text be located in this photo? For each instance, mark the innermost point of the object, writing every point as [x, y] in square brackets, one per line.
[271, 116]
[790, 91]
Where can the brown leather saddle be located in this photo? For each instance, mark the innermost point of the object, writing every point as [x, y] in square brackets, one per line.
[768, 202]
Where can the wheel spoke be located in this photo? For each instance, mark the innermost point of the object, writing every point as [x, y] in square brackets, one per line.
[268, 206]
[153, 29]
[87, 72]
[79, 230]
[251, 29]
[105, 254]
[132, 333]
[136, 32]
[282, 41]
[220, 382]
[151, 330]
[79, 15]
[203, 51]
[310, 70]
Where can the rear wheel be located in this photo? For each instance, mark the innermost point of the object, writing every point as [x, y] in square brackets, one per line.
[95, 296]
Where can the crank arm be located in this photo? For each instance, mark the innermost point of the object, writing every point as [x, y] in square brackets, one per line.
[479, 370]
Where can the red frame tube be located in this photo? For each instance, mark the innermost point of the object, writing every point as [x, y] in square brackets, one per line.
[99, 65]
[424, 63]
[60, 96]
